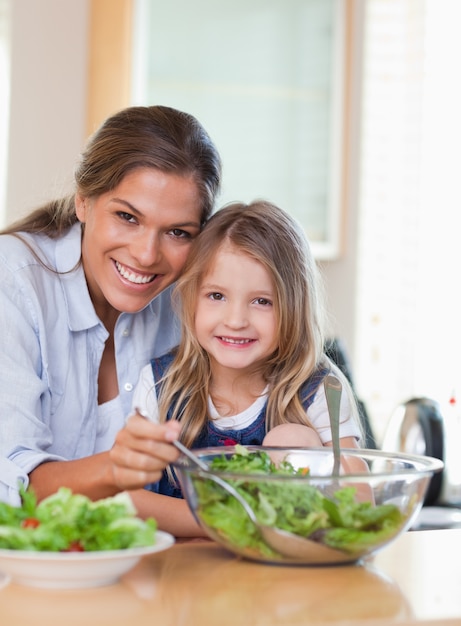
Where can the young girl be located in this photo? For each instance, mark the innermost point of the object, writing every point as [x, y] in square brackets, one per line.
[250, 364]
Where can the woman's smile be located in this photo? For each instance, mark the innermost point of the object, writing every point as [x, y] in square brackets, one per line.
[133, 276]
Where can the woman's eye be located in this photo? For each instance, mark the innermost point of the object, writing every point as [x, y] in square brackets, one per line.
[127, 217]
[180, 234]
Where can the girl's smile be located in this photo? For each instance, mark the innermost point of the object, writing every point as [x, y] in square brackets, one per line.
[236, 342]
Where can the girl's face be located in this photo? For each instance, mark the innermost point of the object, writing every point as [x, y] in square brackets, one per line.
[235, 319]
[137, 238]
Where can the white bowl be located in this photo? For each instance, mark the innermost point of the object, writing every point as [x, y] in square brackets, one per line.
[75, 570]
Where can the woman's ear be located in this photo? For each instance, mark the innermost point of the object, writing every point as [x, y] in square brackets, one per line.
[80, 207]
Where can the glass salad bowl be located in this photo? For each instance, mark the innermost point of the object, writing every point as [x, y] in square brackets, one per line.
[294, 510]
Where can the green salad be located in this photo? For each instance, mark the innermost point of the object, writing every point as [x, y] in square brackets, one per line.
[66, 522]
[341, 522]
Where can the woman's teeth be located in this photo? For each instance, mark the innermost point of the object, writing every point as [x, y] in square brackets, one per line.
[132, 277]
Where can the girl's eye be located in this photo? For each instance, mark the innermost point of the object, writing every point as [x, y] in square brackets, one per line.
[127, 217]
[216, 296]
[263, 302]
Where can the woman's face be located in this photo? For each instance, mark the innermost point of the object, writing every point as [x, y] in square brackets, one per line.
[137, 238]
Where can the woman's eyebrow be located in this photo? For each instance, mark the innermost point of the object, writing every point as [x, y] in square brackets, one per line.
[133, 209]
[127, 204]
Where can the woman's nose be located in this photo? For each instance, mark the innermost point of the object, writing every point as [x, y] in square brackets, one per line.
[147, 249]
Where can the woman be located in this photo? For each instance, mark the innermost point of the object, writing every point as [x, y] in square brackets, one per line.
[85, 303]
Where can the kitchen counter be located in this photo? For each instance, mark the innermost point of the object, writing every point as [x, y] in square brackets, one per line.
[416, 579]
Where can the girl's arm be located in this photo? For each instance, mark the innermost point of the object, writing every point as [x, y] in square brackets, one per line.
[172, 514]
[351, 464]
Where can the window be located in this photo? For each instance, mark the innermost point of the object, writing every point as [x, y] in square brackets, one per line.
[408, 324]
[265, 79]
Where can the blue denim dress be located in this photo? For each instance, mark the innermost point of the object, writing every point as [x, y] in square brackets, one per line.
[212, 436]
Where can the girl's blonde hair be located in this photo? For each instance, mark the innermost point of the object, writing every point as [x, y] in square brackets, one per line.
[267, 234]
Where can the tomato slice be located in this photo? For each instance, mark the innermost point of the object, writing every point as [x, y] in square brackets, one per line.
[30, 522]
[75, 546]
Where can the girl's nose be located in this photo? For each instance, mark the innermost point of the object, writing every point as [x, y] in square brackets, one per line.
[236, 316]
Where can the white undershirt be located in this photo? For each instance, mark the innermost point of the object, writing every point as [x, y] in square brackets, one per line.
[110, 420]
[239, 421]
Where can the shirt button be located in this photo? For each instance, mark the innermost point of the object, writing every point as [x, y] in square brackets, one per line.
[125, 333]
[128, 387]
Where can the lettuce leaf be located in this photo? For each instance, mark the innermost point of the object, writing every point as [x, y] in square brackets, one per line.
[65, 520]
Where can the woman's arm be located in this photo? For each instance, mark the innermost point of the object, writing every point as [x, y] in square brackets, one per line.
[140, 453]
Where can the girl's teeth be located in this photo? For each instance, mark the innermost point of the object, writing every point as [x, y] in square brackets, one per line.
[229, 340]
[133, 278]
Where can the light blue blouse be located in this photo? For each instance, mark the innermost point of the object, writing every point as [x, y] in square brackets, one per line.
[51, 344]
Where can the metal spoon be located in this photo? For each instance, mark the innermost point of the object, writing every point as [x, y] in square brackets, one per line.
[333, 389]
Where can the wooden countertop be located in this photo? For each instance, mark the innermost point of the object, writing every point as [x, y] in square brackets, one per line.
[416, 579]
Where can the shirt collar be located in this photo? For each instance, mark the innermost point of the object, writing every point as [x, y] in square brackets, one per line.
[80, 310]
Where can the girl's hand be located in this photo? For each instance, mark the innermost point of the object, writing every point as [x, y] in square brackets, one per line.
[141, 451]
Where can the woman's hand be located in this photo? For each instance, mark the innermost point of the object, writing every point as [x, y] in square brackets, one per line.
[141, 452]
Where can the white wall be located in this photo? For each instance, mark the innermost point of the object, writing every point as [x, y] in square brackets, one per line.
[341, 275]
[48, 99]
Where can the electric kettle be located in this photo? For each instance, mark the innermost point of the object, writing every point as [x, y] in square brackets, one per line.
[419, 426]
